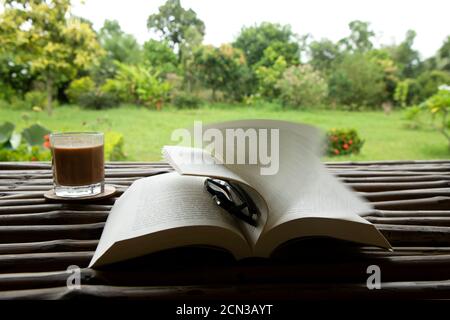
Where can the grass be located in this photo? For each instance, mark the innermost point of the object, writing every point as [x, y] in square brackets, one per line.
[146, 131]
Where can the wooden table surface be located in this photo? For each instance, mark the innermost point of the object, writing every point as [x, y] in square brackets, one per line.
[40, 239]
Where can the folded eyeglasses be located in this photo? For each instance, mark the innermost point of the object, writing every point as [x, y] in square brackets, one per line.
[233, 199]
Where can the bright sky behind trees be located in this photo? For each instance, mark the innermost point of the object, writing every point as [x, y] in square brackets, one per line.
[390, 19]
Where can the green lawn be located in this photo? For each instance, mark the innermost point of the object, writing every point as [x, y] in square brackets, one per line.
[146, 131]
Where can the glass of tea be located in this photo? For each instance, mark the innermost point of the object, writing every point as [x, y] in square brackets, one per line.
[78, 163]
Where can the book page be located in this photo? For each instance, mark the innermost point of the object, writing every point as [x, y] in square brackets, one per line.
[166, 211]
[323, 207]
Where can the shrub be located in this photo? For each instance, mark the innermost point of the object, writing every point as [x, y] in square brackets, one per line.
[33, 100]
[30, 145]
[439, 107]
[186, 100]
[401, 93]
[79, 87]
[114, 146]
[357, 81]
[414, 117]
[222, 69]
[85, 93]
[6, 91]
[98, 100]
[138, 84]
[36, 100]
[343, 142]
[269, 76]
[25, 153]
[302, 86]
[429, 82]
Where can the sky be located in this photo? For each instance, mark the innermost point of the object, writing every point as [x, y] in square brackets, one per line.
[390, 19]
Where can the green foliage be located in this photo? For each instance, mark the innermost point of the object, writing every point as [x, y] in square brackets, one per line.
[254, 40]
[25, 153]
[119, 46]
[46, 51]
[137, 84]
[32, 144]
[324, 55]
[7, 92]
[390, 71]
[433, 113]
[35, 135]
[357, 81]
[415, 117]
[114, 143]
[429, 82]
[401, 93]
[406, 58]
[32, 100]
[79, 87]
[443, 56]
[98, 100]
[269, 69]
[222, 68]
[186, 100]
[360, 37]
[439, 106]
[84, 92]
[172, 22]
[6, 131]
[269, 76]
[302, 86]
[15, 77]
[29, 145]
[36, 100]
[15, 103]
[55, 46]
[189, 48]
[343, 142]
[158, 54]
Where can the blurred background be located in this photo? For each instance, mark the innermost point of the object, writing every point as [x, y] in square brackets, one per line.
[374, 75]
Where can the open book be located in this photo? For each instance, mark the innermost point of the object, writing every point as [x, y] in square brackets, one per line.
[301, 199]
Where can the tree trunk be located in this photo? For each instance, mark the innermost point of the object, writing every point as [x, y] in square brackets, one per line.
[49, 87]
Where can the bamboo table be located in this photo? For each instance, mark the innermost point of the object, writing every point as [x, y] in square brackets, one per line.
[40, 239]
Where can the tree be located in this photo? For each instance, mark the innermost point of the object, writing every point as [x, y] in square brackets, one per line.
[172, 23]
[389, 68]
[44, 35]
[191, 44]
[324, 54]
[119, 46]
[159, 55]
[254, 40]
[406, 58]
[15, 78]
[360, 37]
[268, 71]
[443, 55]
[430, 81]
[302, 86]
[222, 69]
[439, 106]
[357, 81]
